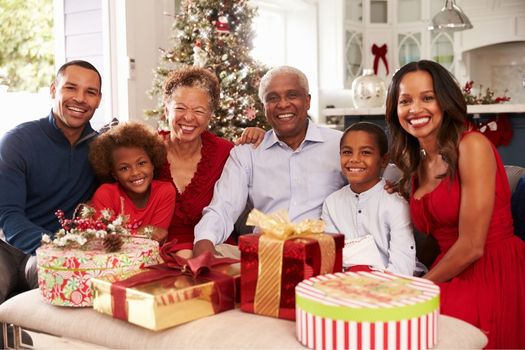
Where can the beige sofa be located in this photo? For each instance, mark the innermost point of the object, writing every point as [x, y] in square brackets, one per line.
[228, 330]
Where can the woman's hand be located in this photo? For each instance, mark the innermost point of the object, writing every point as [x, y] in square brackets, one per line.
[251, 135]
[391, 187]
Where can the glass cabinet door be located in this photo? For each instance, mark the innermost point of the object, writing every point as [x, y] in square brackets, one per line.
[442, 49]
[354, 10]
[353, 56]
[409, 48]
[378, 11]
[408, 11]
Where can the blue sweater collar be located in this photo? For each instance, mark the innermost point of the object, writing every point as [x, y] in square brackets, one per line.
[57, 134]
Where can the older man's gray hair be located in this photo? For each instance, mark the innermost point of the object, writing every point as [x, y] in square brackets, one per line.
[263, 86]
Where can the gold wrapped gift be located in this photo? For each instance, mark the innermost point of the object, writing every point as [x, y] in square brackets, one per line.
[172, 300]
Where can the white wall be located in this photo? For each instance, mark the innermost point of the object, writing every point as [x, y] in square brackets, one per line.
[331, 65]
[296, 42]
[138, 29]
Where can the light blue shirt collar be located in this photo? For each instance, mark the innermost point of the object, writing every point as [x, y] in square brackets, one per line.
[313, 134]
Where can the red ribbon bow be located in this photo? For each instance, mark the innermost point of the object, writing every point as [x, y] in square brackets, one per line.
[380, 53]
[174, 265]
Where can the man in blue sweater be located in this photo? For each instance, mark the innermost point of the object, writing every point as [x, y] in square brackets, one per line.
[44, 167]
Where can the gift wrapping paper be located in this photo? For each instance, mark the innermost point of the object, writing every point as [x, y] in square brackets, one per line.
[172, 300]
[367, 310]
[273, 293]
[64, 274]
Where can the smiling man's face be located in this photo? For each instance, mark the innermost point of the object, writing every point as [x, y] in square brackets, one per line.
[286, 105]
[76, 95]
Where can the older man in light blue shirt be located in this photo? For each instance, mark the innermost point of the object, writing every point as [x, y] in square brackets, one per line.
[295, 168]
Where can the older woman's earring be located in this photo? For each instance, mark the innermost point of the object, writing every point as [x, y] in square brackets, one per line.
[423, 153]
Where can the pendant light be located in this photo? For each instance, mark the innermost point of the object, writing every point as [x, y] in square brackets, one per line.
[451, 18]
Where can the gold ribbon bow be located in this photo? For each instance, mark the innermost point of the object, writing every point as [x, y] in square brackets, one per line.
[275, 230]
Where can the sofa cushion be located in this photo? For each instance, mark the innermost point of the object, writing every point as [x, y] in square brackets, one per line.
[514, 174]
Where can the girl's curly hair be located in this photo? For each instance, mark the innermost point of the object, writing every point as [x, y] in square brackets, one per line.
[129, 134]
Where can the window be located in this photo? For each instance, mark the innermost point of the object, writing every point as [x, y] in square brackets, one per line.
[270, 39]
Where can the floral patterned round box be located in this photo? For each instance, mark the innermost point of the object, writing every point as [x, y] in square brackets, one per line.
[64, 274]
[367, 310]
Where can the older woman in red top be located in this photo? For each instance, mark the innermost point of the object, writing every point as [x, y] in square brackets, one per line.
[195, 156]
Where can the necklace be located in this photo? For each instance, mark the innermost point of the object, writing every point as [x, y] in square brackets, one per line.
[423, 153]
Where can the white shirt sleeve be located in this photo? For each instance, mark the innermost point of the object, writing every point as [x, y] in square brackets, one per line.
[327, 218]
[229, 198]
[402, 247]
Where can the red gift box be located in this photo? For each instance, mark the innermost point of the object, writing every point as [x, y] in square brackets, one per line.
[300, 258]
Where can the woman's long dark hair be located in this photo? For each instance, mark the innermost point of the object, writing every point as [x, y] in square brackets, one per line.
[404, 149]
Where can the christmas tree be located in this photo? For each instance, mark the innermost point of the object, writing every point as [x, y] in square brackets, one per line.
[217, 34]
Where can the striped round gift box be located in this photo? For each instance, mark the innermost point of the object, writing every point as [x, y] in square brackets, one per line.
[367, 310]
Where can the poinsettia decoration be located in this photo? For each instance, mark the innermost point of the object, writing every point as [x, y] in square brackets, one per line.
[484, 97]
[85, 227]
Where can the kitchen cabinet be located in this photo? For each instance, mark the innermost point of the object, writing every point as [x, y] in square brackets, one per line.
[349, 28]
[366, 24]
[400, 27]
[414, 41]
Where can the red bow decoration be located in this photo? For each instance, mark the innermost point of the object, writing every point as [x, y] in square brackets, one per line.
[380, 53]
[200, 266]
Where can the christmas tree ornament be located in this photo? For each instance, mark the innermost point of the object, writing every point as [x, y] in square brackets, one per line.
[251, 113]
[222, 26]
[200, 56]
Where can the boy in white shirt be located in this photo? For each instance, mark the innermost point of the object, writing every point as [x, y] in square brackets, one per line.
[376, 224]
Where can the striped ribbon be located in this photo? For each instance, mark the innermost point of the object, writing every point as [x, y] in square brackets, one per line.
[276, 229]
[268, 290]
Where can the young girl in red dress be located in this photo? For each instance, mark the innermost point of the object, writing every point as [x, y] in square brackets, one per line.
[126, 159]
[459, 194]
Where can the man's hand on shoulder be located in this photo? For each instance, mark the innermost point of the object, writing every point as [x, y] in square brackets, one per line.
[203, 246]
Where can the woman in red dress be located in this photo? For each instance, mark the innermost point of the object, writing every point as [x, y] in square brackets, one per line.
[459, 194]
[195, 156]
